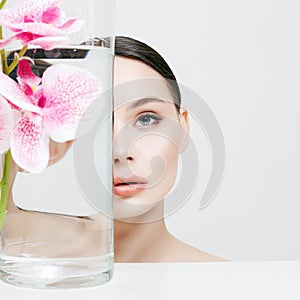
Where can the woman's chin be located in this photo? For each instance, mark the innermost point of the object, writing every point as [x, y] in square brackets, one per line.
[126, 210]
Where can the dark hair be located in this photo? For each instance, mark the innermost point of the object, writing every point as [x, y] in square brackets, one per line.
[134, 49]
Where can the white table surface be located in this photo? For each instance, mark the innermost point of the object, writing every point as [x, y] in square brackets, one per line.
[228, 280]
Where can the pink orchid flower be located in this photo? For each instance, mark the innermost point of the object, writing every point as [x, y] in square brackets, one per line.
[6, 125]
[38, 22]
[52, 108]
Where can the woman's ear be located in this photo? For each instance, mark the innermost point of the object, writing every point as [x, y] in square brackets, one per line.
[185, 129]
[58, 150]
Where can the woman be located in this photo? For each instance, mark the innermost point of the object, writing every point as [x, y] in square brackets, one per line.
[151, 130]
[140, 233]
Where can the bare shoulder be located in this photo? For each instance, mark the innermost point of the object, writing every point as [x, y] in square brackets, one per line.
[181, 252]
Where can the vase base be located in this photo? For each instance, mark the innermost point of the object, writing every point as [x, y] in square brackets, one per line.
[57, 273]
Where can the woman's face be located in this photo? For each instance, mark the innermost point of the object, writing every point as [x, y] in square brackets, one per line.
[149, 135]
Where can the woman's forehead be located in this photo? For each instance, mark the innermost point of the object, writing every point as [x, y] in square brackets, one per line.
[134, 80]
[127, 69]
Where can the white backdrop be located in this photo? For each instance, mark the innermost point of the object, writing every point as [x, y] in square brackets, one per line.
[243, 58]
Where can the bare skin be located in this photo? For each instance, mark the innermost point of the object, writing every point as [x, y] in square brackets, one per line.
[139, 235]
[152, 242]
[140, 232]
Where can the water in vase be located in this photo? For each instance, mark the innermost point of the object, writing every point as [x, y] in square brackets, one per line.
[58, 227]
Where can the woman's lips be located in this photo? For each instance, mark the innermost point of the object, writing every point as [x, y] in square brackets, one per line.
[127, 187]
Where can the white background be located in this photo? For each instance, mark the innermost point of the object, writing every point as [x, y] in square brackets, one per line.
[243, 58]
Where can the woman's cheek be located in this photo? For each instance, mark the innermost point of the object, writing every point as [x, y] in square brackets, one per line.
[157, 160]
[171, 159]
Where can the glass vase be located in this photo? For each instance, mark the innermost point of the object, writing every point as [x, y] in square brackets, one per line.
[57, 230]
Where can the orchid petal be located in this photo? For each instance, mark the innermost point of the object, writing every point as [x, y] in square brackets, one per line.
[6, 124]
[24, 37]
[13, 17]
[46, 42]
[44, 29]
[27, 89]
[30, 144]
[68, 90]
[51, 15]
[41, 29]
[25, 74]
[51, 42]
[10, 17]
[10, 90]
[71, 26]
[5, 42]
[36, 19]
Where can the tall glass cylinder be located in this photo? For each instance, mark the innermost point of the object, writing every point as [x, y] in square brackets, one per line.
[57, 224]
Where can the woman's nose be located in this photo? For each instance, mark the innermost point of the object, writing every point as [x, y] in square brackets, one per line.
[122, 159]
[122, 151]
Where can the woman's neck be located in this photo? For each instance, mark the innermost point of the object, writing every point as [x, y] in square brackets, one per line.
[143, 239]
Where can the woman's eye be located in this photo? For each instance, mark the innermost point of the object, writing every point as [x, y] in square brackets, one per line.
[147, 119]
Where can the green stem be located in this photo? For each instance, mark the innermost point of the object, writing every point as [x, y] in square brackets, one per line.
[14, 63]
[4, 184]
[5, 187]
[2, 54]
[2, 51]
[3, 2]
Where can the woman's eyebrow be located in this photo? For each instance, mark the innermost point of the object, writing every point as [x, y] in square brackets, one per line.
[144, 101]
